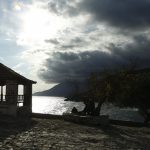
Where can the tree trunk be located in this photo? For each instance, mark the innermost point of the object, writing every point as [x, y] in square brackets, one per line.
[98, 108]
[147, 118]
[144, 112]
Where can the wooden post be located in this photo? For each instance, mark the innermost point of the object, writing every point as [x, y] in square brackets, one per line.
[28, 97]
[11, 92]
[1, 93]
[11, 97]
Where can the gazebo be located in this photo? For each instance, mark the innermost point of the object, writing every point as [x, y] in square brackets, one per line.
[11, 103]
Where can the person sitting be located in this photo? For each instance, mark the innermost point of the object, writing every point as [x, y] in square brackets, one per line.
[74, 110]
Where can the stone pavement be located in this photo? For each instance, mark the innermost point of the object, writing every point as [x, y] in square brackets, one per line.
[47, 134]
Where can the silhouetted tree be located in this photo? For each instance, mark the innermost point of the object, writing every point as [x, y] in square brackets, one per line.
[124, 88]
[99, 89]
[134, 91]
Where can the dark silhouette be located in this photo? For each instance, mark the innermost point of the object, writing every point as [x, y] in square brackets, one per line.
[9, 102]
[74, 110]
[89, 107]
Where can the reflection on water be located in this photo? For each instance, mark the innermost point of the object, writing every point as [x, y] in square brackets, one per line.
[53, 105]
[57, 105]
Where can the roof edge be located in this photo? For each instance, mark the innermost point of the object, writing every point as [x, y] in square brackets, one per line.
[17, 74]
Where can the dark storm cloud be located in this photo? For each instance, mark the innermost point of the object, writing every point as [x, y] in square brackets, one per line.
[72, 66]
[132, 15]
[128, 14]
[120, 13]
[138, 51]
[77, 66]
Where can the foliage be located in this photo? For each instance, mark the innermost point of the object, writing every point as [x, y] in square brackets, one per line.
[99, 88]
[125, 88]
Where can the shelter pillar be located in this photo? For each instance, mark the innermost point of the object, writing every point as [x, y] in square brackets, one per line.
[1, 93]
[11, 92]
[11, 97]
[28, 97]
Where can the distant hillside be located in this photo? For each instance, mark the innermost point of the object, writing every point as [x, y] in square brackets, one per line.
[62, 90]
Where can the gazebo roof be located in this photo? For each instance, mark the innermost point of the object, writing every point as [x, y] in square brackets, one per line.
[9, 74]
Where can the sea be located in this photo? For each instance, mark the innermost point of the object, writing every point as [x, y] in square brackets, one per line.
[57, 106]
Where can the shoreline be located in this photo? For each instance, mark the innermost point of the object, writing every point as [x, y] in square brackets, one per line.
[112, 121]
[59, 134]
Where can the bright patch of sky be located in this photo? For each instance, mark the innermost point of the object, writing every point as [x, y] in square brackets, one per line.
[31, 30]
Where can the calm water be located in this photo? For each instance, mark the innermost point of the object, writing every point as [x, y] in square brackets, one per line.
[57, 105]
[53, 105]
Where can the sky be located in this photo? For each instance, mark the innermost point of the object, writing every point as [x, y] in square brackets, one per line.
[53, 41]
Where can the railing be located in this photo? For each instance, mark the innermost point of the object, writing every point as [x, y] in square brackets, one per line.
[2, 98]
[20, 99]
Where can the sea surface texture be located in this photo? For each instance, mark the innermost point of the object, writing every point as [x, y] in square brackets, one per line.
[57, 105]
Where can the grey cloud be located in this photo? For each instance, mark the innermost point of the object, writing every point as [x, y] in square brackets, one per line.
[68, 47]
[66, 56]
[53, 41]
[67, 44]
[73, 43]
[63, 7]
[77, 66]
[120, 13]
[56, 6]
[77, 40]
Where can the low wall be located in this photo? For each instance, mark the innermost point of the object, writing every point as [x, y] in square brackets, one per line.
[8, 110]
[46, 116]
[128, 123]
[89, 120]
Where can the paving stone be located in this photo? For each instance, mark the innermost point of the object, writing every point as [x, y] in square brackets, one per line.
[61, 135]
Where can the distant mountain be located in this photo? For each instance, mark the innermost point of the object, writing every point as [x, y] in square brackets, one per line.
[62, 90]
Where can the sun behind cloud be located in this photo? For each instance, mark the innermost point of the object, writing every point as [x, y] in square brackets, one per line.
[38, 24]
[17, 7]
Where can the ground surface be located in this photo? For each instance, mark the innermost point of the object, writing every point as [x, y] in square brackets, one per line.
[44, 134]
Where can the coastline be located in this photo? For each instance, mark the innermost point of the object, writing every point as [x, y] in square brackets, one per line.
[40, 133]
[112, 121]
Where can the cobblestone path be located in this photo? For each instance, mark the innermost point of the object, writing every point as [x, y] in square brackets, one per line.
[49, 134]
